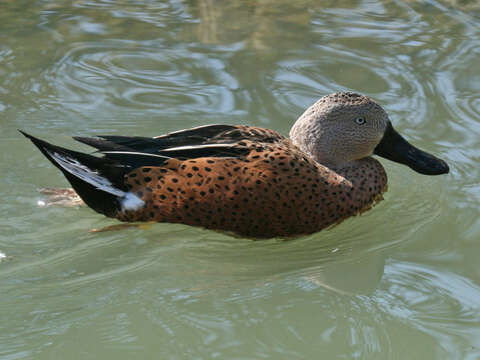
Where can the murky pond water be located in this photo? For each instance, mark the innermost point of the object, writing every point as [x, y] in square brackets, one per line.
[399, 282]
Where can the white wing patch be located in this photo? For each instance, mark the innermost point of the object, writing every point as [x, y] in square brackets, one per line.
[203, 146]
[135, 153]
[90, 176]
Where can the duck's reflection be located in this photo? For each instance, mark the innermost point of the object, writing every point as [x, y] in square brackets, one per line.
[353, 276]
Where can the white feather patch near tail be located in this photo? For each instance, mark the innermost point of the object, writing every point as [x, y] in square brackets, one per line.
[128, 200]
[131, 202]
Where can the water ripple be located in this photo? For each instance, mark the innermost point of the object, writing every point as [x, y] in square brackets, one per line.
[441, 304]
[398, 281]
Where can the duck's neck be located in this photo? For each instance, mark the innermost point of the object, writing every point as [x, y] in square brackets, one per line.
[340, 167]
[363, 172]
[333, 157]
[346, 166]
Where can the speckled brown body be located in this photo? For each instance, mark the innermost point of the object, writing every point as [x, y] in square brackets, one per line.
[274, 190]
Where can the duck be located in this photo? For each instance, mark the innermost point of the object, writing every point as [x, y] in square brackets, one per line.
[249, 181]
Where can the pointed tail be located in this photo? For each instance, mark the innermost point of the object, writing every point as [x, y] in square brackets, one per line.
[98, 181]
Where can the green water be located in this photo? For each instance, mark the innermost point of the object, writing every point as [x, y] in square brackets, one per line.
[399, 282]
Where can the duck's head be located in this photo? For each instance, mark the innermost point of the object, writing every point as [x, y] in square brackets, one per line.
[344, 127]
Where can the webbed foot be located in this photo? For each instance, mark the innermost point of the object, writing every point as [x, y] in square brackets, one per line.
[59, 197]
[116, 227]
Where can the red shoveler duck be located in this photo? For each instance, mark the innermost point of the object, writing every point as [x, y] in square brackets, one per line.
[247, 180]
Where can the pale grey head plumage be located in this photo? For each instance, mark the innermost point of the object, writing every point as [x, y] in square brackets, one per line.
[343, 127]
[340, 128]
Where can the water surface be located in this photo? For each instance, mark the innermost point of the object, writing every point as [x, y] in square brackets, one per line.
[399, 282]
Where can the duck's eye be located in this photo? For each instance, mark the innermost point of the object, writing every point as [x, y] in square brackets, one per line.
[360, 120]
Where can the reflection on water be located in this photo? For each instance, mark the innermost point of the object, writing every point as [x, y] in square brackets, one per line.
[400, 281]
[353, 276]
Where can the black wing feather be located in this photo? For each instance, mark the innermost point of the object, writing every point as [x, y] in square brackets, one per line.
[121, 143]
[194, 135]
[186, 144]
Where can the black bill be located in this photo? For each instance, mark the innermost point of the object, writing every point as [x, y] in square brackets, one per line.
[396, 148]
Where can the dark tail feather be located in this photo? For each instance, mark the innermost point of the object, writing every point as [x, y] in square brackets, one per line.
[100, 201]
[98, 181]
